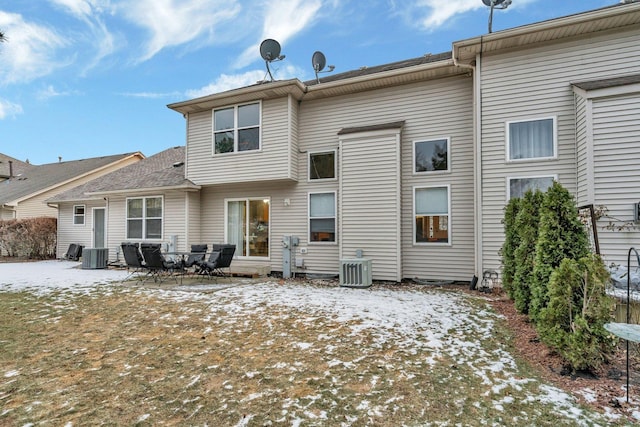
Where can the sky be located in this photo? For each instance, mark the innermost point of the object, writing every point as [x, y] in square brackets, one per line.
[88, 78]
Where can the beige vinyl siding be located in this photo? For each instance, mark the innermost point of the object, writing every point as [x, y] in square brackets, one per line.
[536, 83]
[271, 162]
[68, 232]
[192, 200]
[173, 223]
[584, 152]
[369, 200]
[616, 136]
[433, 109]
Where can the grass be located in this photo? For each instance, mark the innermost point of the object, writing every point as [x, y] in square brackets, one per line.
[121, 356]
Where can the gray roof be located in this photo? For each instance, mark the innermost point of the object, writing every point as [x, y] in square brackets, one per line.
[607, 83]
[363, 71]
[39, 178]
[17, 166]
[162, 170]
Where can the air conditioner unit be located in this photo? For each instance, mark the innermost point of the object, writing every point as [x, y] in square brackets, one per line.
[355, 273]
[94, 258]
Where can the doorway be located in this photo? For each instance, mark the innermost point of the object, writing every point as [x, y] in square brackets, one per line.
[99, 228]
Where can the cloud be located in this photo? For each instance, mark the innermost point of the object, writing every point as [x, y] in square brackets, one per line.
[51, 92]
[150, 95]
[174, 22]
[283, 19]
[31, 50]
[9, 109]
[233, 81]
[89, 12]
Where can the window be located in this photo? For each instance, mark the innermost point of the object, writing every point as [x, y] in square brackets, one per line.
[248, 226]
[518, 186]
[144, 218]
[78, 214]
[431, 156]
[322, 217]
[532, 139]
[236, 128]
[322, 165]
[431, 206]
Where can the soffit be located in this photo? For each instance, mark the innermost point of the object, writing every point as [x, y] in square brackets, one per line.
[619, 17]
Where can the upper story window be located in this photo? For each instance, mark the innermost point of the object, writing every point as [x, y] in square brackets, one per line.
[531, 139]
[144, 218]
[431, 214]
[78, 214]
[236, 128]
[430, 156]
[322, 165]
[518, 186]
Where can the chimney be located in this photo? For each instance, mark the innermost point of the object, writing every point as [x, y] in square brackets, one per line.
[10, 169]
[59, 159]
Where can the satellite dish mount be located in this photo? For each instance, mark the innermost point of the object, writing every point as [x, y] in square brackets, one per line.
[319, 61]
[495, 4]
[270, 52]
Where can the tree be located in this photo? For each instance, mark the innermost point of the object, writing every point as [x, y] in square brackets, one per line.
[511, 243]
[573, 321]
[527, 224]
[561, 235]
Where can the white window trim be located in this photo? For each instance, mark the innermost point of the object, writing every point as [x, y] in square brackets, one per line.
[509, 178]
[449, 222]
[335, 217]
[413, 157]
[235, 129]
[532, 159]
[144, 218]
[335, 165]
[84, 216]
[226, 229]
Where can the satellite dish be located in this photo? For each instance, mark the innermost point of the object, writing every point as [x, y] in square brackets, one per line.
[319, 61]
[495, 4]
[270, 51]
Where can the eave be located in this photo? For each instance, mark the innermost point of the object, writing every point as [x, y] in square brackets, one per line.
[616, 17]
[182, 187]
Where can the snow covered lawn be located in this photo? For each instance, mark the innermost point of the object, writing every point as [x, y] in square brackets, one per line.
[82, 348]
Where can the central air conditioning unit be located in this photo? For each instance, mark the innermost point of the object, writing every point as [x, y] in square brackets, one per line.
[94, 258]
[355, 273]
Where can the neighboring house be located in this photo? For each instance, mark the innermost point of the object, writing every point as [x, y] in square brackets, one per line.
[24, 194]
[10, 167]
[149, 200]
[409, 163]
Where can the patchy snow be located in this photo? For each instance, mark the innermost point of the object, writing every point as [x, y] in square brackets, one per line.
[442, 325]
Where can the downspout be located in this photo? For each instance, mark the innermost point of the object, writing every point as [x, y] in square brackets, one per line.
[477, 143]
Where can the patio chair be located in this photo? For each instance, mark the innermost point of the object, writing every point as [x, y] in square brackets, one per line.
[226, 252]
[208, 267]
[156, 264]
[196, 256]
[132, 258]
[74, 252]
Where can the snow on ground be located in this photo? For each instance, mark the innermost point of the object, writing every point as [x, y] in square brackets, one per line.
[439, 321]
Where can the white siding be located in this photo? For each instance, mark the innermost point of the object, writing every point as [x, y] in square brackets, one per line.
[271, 162]
[583, 150]
[537, 83]
[68, 232]
[616, 135]
[370, 208]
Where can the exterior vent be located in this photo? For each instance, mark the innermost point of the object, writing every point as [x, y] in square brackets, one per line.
[355, 273]
[94, 258]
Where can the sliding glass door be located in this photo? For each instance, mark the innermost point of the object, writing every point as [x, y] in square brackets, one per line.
[248, 226]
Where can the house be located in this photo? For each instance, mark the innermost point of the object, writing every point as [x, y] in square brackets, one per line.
[149, 200]
[23, 194]
[408, 164]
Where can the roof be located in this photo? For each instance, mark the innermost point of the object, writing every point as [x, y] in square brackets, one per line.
[618, 16]
[17, 166]
[39, 178]
[608, 83]
[365, 78]
[164, 170]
